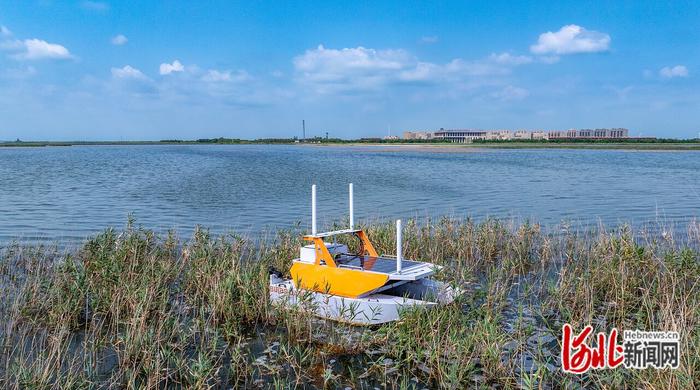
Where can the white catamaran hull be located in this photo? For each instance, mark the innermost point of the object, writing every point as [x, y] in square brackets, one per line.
[373, 309]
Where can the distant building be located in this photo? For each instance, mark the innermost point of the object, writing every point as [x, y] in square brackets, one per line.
[460, 136]
[585, 133]
[391, 138]
[590, 133]
[499, 135]
[522, 135]
[556, 134]
[417, 135]
[539, 135]
[470, 135]
[619, 133]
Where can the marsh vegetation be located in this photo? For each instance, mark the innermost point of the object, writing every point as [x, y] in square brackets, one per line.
[132, 309]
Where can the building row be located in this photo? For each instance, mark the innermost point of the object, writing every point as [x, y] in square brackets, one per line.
[470, 135]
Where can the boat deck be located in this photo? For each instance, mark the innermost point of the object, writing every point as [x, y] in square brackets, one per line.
[411, 270]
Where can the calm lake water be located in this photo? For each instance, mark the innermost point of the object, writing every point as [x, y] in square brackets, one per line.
[65, 194]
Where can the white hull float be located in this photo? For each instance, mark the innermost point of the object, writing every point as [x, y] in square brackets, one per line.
[373, 309]
[361, 288]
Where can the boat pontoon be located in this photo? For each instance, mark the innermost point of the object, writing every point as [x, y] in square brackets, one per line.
[361, 288]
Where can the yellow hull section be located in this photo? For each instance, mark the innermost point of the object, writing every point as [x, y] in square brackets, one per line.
[343, 282]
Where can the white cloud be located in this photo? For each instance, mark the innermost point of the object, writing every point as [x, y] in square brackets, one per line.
[214, 75]
[421, 71]
[346, 60]
[193, 84]
[228, 87]
[31, 49]
[509, 59]
[459, 68]
[119, 40]
[350, 68]
[95, 6]
[571, 39]
[428, 40]
[176, 66]
[37, 49]
[675, 71]
[360, 68]
[128, 72]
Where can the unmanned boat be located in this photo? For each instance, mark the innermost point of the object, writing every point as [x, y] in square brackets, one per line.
[360, 288]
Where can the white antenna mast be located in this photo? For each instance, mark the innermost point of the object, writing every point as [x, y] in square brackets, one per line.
[352, 215]
[399, 246]
[313, 209]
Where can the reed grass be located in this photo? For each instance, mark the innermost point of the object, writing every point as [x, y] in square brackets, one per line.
[133, 309]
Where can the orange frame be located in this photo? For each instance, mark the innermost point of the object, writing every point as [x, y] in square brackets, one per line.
[323, 254]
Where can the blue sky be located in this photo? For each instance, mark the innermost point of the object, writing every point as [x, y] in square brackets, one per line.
[108, 70]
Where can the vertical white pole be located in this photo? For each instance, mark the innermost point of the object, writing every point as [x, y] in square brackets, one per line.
[313, 209]
[398, 246]
[352, 215]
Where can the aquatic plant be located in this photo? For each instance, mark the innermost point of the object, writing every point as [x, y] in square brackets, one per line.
[134, 309]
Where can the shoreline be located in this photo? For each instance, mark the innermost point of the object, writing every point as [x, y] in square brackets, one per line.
[391, 146]
[524, 146]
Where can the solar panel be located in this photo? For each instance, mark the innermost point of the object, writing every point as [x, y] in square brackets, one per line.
[383, 265]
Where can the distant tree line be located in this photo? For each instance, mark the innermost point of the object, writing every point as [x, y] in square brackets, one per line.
[322, 140]
[314, 140]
